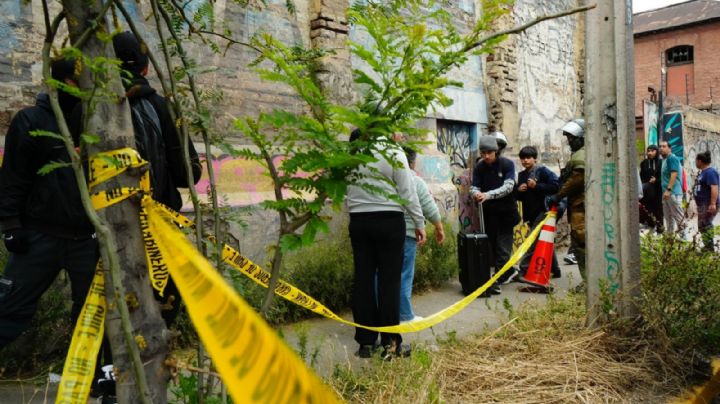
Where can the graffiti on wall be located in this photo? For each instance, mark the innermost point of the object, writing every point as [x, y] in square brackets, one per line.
[673, 133]
[547, 86]
[454, 139]
[650, 113]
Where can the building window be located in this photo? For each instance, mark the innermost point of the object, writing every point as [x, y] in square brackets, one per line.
[679, 55]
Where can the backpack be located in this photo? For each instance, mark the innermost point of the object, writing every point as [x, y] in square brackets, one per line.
[150, 144]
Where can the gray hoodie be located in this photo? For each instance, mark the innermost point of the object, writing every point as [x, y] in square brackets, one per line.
[359, 200]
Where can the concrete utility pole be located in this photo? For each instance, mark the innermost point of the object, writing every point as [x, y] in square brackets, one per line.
[611, 198]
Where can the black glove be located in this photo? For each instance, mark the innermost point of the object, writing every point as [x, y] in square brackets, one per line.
[16, 241]
[552, 200]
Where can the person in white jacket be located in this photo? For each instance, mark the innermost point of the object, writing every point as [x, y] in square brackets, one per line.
[377, 235]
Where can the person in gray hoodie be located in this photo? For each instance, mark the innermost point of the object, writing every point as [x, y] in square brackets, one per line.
[377, 236]
[432, 214]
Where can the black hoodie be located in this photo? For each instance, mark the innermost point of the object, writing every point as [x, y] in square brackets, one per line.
[47, 203]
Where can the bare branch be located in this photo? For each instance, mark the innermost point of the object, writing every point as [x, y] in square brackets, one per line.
[523, 27]
[193, 30]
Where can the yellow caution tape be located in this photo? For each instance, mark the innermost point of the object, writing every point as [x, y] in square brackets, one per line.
[254, 363]
[106, 165]
[79, 366]
[157, 265]
[297, 296]
[706, 393]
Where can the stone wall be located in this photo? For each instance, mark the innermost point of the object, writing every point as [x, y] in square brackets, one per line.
[534, 79]
[701, 132]
[316, 23]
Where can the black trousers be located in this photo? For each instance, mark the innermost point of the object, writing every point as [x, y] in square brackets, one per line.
[499, 228]
[27, 276]
[377, 240]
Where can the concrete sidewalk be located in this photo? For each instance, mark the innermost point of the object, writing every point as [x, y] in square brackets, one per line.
[335, 344]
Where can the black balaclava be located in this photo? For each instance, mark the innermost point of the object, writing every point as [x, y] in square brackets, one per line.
[576, 143]
[62, 69]
[132, 54]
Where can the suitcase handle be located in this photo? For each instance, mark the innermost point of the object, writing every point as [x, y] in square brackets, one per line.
[481, 217]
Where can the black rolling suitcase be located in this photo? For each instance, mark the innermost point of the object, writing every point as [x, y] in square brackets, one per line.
[474, 257]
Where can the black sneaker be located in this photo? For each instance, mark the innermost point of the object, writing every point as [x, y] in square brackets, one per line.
[491, 291]
[108, 399]
[508, 276]
[365, 351]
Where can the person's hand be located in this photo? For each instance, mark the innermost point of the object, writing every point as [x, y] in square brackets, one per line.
[480, 197]
[652, 180]
[712, 208]
[666, 195]
[552, 200]
[531, 183]
[16, 241]
[439, 234]
[420, 236]
[522, 187]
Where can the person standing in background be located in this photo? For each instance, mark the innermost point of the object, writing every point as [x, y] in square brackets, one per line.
[432, 214]
[705, 193]
[377, 236]
[670, 175]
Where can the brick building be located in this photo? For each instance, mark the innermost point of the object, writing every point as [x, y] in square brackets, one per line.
[684, 39]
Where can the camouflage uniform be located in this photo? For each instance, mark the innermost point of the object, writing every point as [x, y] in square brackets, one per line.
[573, 187]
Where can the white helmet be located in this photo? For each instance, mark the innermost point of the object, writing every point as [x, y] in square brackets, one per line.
[576, 128]
[500, 138]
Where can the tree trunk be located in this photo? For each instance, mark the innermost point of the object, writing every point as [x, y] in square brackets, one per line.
[112, 123]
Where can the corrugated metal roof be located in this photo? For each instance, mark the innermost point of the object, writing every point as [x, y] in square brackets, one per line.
[676, 15]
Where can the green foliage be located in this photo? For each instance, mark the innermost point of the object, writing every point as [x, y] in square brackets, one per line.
[435, 263]
[681, 292]
[411, 46]
[186, 392]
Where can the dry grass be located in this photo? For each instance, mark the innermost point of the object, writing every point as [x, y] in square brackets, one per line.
[542, 356]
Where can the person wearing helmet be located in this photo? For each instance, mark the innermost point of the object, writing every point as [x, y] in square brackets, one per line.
[501, 140]
[493, 185]
[572, 178]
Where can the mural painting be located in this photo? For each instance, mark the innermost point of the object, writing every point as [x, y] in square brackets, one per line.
[673, 133]
[650, 112]
[454, 139]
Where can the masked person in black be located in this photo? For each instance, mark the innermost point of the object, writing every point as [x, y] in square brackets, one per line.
[651, 203]
[157, 141]
[44, 226]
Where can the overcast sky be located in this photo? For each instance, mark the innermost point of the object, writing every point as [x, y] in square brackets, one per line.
[644, 5]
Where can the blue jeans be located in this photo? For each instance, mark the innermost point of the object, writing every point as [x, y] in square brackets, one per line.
[406, 279]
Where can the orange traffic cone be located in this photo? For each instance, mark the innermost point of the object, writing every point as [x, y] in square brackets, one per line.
[538, 273]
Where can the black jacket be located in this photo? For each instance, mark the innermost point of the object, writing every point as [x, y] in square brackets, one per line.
[166, 189]
[650, 168]
[47, 203]
[533, 199]
[164, 153]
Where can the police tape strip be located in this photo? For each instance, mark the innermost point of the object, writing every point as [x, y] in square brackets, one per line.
[707, 392]
[254, 363]
[106, 165]
[157, 265]
[158, 271]
[79, 368]
[228, 326]
[297, 296]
